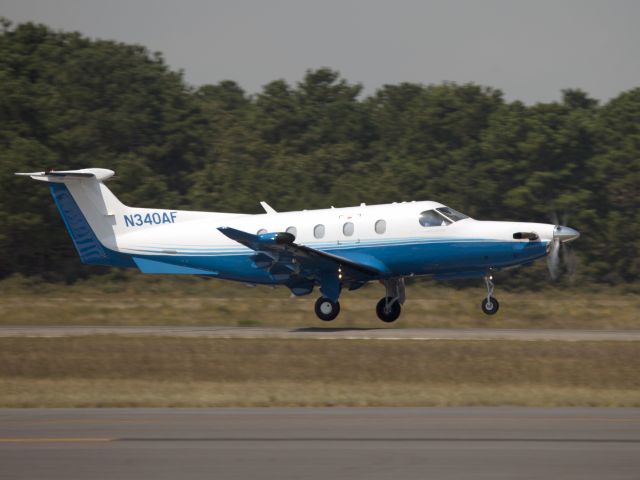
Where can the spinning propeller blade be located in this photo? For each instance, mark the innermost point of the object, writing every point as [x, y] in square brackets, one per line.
[561, 236]
[553, 259]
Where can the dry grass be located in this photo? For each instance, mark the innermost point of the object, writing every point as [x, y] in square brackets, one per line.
[21, 393]
[165, 371]
[149, 300]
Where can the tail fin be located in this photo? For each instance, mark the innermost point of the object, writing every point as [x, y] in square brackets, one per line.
[85, 184]
[88, 209]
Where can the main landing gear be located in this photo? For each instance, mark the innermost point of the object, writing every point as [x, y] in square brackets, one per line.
[490, 305]
[327, 309]
[388, 308]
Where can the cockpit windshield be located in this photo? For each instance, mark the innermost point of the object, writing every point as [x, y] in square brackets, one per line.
[440, 217]
[431, 218]
[452, 214]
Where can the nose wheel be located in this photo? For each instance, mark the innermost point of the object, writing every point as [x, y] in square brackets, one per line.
[326, 309]
[490, 305]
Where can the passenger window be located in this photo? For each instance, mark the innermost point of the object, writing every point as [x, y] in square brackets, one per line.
[293, 231]
[261, 231]
[347, 229]
[318, 231]
[381, 226]
[431, 218]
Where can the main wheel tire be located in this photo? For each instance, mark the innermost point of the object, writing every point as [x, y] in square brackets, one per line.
[393, 312]
[490, 308]
[326, 309]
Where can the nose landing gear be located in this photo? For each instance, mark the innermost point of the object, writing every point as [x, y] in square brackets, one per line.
[490, 305]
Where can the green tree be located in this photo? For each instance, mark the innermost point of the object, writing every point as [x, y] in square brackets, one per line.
[67, 101]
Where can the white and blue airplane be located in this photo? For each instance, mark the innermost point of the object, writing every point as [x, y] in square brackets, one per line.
[335, 248]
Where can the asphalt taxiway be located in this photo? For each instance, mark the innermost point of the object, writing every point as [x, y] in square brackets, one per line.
[317, 443]
[327, 333]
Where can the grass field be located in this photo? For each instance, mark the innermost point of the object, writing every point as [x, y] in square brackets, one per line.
[152, 300]
[110, 371]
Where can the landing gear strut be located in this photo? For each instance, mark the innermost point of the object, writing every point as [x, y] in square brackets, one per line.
[489, 305]
[390, 306]
[327, 309]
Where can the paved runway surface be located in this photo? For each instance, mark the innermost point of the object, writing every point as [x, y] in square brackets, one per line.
[327, 333]
[332, 443]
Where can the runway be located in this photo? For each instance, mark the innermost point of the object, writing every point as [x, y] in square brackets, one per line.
[327, 333]
[329, 443]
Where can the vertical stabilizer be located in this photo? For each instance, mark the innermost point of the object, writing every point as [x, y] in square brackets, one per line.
[88, 209]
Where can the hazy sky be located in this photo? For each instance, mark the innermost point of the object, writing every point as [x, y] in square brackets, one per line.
[530, 49]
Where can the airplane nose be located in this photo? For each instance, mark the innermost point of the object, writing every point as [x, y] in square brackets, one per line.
[565, 234]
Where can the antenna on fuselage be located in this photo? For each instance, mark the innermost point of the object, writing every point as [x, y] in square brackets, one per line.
[267, 208]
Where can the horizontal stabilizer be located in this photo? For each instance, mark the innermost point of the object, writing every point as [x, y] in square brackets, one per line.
[99, 174]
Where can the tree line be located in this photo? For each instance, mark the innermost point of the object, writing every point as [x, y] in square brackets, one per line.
[67, 101]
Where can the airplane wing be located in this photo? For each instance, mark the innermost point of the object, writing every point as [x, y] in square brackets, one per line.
[298, 265]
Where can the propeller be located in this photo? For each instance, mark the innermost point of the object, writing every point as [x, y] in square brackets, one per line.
[553, 259]
[561, 236]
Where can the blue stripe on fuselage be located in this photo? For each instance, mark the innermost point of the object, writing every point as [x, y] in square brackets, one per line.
[418, 258]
